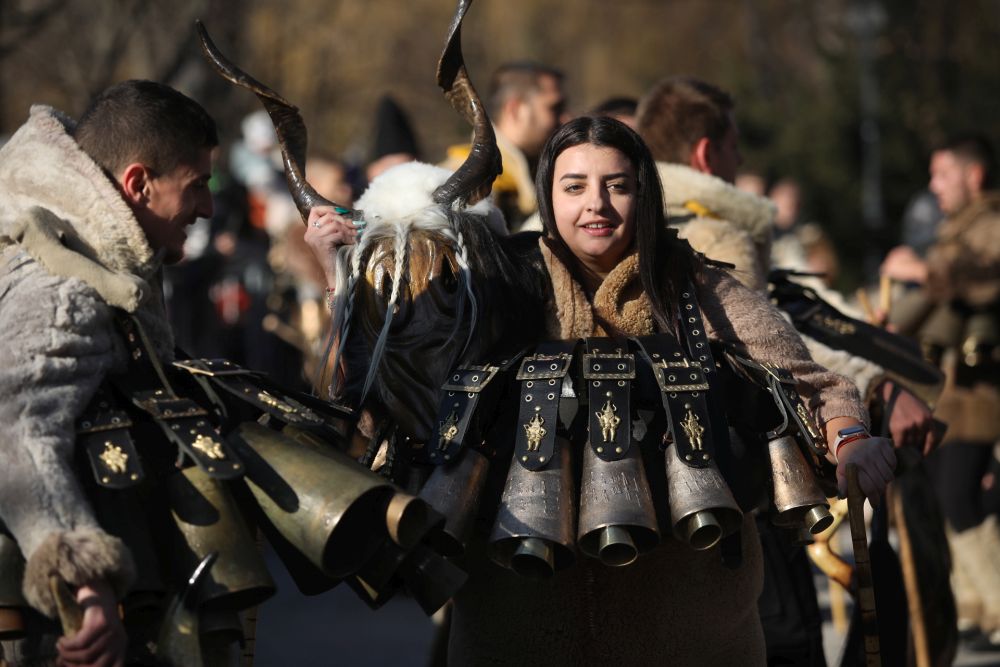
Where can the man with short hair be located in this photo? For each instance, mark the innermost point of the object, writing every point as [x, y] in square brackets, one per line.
[89, 212]
[527, 104]
[690, 128]
[958, 324]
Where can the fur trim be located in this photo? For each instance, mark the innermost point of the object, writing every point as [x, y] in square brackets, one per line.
[404, 193]
[42, 165]
[723, 241]
[48, 240]
[753, 214]
[79, 557]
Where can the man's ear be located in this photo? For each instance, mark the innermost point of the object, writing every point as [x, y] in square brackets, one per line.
[134, 182]
[699, 159]
[974, 174]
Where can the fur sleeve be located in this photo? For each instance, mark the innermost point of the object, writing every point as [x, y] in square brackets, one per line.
[58, 346]
[724, 242]
[745, 318]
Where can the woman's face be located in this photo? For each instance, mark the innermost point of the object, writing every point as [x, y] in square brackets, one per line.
[593, 202]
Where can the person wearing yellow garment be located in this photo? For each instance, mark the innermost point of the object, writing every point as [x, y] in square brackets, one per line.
[527, 103]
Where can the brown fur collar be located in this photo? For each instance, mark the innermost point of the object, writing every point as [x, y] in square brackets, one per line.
[619, 305]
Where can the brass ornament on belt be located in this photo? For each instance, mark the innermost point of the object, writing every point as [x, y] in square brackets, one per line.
[449, 429]
[535, 431]
[114, 458]
[806, 418]
[693, 429]
[267, 399]
[609, 421]
[209, 447]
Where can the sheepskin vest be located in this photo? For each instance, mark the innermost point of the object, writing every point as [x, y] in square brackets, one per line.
[70, 249]
[674, 605]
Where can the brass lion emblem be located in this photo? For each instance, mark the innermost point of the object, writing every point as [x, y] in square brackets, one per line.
[535, 430]
[114, 459]
[449, 429]
[693, 429]
[209, 447]
[609, 420]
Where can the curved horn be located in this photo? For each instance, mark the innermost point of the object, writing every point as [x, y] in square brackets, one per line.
[474, 179]
[287, 122]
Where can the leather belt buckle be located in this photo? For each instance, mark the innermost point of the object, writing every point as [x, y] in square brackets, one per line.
[211, 367]
[470, 378]
[608, 366]
[674, 376]
[545, 367]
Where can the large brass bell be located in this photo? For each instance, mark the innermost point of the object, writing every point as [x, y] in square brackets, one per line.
[453, 490]
[210, 522]
[12, 601]
[617, 518]
[534, 529]
[329, 507]
[702, 508]
[409, 519]
[797, 497]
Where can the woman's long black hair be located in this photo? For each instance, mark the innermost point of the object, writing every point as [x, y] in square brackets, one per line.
[665, 262]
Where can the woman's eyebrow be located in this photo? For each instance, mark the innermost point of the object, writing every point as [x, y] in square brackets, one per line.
[565, 176]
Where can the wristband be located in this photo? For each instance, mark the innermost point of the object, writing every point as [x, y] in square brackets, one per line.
[846, 435]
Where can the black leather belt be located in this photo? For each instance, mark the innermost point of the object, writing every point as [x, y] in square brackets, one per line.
[609, 369]
[461, 402]
[541, 375]
[102, 430]
[693, 326]
[683, 390]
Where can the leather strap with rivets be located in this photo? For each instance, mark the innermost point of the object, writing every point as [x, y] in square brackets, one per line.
[541, 376]
[461, 401]
[684, 391]
[102, 431]
[693, 326]
[185, 423]
[609, 369]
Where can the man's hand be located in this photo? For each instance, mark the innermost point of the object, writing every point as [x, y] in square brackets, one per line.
[903, 264]
[326, 232]
[101, 640]
[875, 460]
[910, 423]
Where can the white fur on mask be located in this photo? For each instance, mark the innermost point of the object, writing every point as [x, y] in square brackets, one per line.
[404, 193]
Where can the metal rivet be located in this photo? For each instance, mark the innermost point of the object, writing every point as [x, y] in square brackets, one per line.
[621, 367]
[176, 427]
[551, 396]
[597, 367]
[689, 306]
[471, 394]
[554, 367]
[672, 395]
[541, 459]
[475, 378]
[656, 356]
[531, 369]
[686, 295]
[529, 384]
[705, 456]
[600, 450]
[455, 405]
[211, 468]
[687, 406]
[105, 479]
[677, 354]
[597, 383]
[691, 320]
[85, 424]
[621, 383]
[134, 477]
[609, 394]
[524, 458]
[699, 345]
[538, 408]
[451, 393]
[456, 378]
[447, 456]
[694, 376]
[696, 332]
[552, 383]
[527, 399]
[618, 450]
[688, 457]
[702, 358]
[671, 377]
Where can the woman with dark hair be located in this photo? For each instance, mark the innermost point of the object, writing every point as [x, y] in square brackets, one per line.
[616, 269]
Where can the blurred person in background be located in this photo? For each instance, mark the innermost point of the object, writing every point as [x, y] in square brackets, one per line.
[956, 317]
[527, 104]
[395, 141]
[798, 245]
[621, 109]
[690, 128]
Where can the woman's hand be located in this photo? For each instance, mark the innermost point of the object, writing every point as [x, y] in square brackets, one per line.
[910, 423]
[101, 640]
[875, 460]
[326, 232]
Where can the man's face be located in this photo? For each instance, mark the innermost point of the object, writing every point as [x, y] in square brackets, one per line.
[173, 201]
[542, 114]
[724, 157]
[952, 182]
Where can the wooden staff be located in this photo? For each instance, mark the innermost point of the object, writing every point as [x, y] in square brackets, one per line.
[921, 650]
[863, 568]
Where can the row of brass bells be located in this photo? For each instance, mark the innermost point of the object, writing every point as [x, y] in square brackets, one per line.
[798, 501]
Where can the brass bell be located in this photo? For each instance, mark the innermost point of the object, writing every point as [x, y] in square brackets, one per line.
[430, 578]
[798, 499]
[409, 519]
[702, 508]
[329, 507]
[221, 632]
[617, 518]
[534, 528]
[210, 522]
[12, 602]
[453, 490]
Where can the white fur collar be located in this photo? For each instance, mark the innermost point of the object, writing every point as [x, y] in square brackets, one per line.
[747, 211]
[42, 165]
